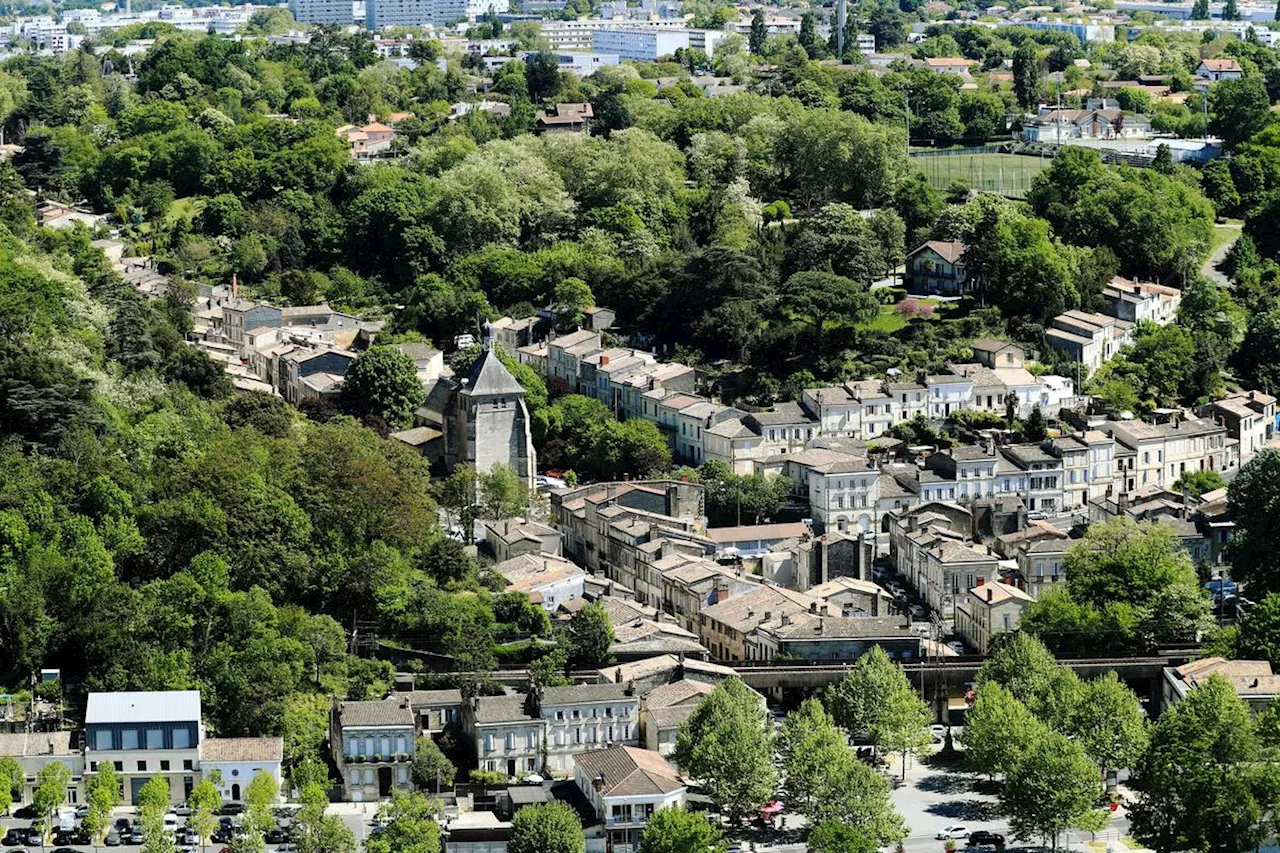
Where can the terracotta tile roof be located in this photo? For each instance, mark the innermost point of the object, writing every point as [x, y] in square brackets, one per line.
[629, 772]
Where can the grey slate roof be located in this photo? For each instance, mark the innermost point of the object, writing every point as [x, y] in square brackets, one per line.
[150, 706]
[385, 713]
[490, 376]
[579, 694]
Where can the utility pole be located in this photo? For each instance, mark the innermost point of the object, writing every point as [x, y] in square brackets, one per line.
[906, 101]
[842, 17]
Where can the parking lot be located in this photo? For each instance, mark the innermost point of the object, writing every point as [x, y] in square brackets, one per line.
[126, 833]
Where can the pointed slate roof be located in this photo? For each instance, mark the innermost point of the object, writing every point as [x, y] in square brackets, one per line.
[490, 376]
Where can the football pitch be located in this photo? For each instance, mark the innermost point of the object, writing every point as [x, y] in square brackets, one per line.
[1007, 174]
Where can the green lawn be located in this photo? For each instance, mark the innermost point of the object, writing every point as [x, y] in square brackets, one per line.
[1224, 233]
[890, 321]
[1007, 174]
[187, 208]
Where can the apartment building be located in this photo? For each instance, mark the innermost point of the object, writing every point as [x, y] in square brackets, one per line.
[625, 786]
[565, 356]
[146, 734]
[828, 636]
[1142, 301]
[991, 608]
[543, 732]
[1249, 416]
[1161, 453]
[1090, 339]
[373, 743]
[726, 626]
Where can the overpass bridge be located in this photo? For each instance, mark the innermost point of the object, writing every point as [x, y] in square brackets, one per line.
[937, 679]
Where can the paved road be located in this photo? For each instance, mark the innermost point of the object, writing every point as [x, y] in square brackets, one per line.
[1210, 268]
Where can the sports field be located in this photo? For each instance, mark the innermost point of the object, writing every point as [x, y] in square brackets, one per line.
[1006, 174]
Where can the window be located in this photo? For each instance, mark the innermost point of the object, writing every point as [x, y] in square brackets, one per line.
[119, 766]
[129, 739]
[164, 765]
[102, 739]
[187, 764]
[142, 767]
[155, 738]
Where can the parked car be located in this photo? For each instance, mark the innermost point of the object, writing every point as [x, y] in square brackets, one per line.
[35, 836]
[955, 830]
[123, 824]
[232, 809]
[135, 836]
[182, 809]
[983, 838]
[113, 838]
[221, 836]
[957, 647]
[277, 836]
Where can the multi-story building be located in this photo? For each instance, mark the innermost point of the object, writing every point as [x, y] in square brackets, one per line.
[544, 732]
[1142, 301]
[826, 636]
[547, 580]
[1042, 473]
[1090, 339]
[948, 393]
[373, 743]
[419, 13]
[991, 608]
[664, 709]
[1088, 466]
[323, 12]
[625, 786]
[34, 751]
[146, 734]
[1086, 30]
[1249, 416]
[1161, 453]
[726, 626]
[565, 355]
[642, 44]
[937, 267]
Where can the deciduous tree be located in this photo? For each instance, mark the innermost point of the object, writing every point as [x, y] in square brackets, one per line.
[678, 830]
[550, 828]
[383, 381]
[727, 745]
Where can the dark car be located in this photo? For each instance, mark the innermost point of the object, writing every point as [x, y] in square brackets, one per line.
[983, 838]
[232, 809]
[113, 838]
[13, 837]
[277, 836]
[122, 824]
[222, 836]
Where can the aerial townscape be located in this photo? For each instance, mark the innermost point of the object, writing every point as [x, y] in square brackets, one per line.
[639, 426]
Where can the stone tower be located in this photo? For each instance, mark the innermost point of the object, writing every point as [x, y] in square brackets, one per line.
[493, 420]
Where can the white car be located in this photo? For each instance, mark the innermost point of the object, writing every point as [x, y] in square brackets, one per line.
[955, 830]
[957, 647]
